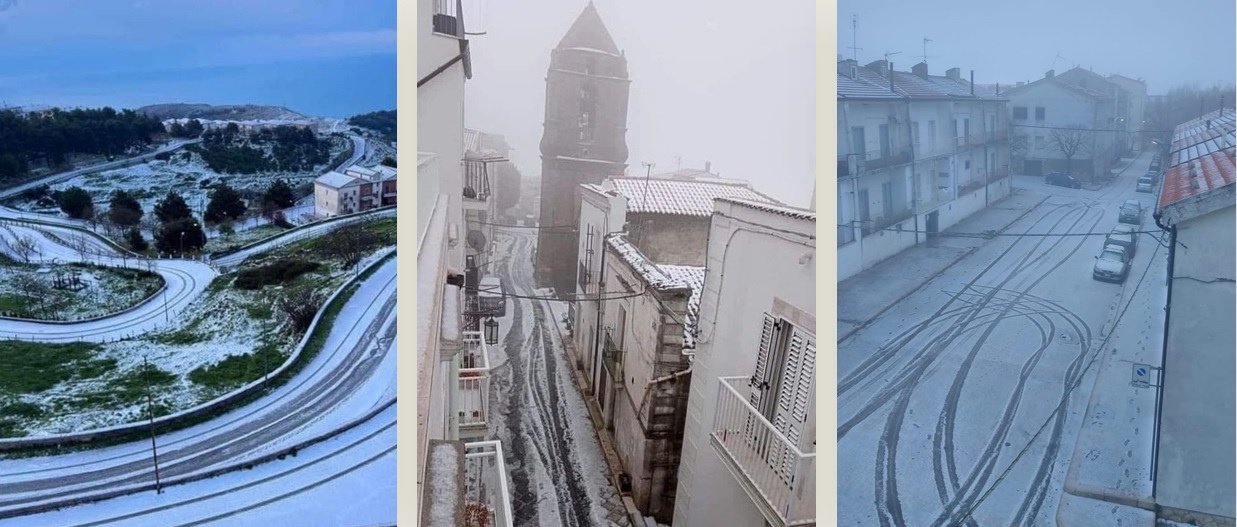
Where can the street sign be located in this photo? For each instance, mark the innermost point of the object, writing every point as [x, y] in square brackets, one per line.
[1141, 375]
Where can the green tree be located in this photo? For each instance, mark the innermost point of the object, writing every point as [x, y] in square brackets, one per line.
[75, 202]
[180, 236]
[124, 209]
[172, 208]
[225, 204]
[278, 196]
[135, 240]
[389, 161]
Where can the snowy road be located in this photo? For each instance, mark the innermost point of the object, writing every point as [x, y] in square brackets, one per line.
[352, 375]
[301, 233]
[553, 454]
[942, 393]
[173, 145]
[186, 280]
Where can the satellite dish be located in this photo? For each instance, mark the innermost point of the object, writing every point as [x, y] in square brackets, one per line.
[476, 240]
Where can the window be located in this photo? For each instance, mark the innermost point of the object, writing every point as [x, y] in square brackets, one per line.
[858, 141]
[586, 128]
[968, 164]
[783, 387]
[887, 198]
[1039, 142]
[931, 134]
[1020, 112]
[1039, 113]
[915, 133]
[886, 148]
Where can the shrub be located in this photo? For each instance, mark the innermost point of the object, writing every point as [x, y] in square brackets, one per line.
[276, 273]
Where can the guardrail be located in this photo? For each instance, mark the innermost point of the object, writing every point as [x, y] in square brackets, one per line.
[299, 229]
[486, 496]
[223, 402]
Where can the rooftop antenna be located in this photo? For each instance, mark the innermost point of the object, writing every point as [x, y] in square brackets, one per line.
[854, 23]
[926, 40]
[647, 175]
[889, 54]
[1054, 61]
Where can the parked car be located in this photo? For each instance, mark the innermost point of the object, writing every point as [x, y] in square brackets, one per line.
[1153, 174]
[1131, 212]
[1124, 237]
[1112, 265]
[1146, 184]
[1061, 179]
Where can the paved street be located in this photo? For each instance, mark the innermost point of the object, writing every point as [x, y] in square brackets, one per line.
[946, 389]
[553, 456]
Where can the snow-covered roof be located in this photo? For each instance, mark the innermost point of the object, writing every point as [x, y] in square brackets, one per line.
[694, 277]
[386, 172]
[336, 180]
[369, 173]
[472, 140]
[1203, 162]
[685, 198]
[785, 210]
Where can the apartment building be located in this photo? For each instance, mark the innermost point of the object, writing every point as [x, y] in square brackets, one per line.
[749, 446]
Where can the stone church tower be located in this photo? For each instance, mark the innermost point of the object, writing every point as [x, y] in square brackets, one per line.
[583, 141]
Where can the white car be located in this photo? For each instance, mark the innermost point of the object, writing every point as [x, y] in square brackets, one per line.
[1112, 265]
[1146, 184]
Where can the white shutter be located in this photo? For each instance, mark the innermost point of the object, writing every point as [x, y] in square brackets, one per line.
[794, 398]
[759, 382]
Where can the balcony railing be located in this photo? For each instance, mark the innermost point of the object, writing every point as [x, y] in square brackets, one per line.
[858, 164]
[474, 383]
[776, 474]
[476, 180]
[612, 359]
[487, 498]
[887, 220]
[449, 17]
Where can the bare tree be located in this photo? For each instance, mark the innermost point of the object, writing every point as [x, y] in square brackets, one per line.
[25, 246]
[300, 305]
[1019, 145]
[34, 290]
[1071, 142]
[349, 243]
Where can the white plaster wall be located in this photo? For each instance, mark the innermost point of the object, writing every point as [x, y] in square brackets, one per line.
[1196, 459]
[440, 113]
[326, 200]
[1062, 108]
[746, 272]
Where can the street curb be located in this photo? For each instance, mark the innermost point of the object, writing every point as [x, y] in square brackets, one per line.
[604, 439]
[935, 275]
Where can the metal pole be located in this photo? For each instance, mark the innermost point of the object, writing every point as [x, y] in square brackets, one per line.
[151, 412]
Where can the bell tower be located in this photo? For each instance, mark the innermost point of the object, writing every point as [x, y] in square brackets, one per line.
[584, 138]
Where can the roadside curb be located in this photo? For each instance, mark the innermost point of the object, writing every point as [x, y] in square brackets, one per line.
[937, 274]
[606, 441]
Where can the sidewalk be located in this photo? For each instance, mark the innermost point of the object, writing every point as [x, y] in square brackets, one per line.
[865, 296]
[1111, 460]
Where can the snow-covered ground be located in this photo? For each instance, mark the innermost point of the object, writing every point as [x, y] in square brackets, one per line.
[304, 233]
[556, 467]
[948, 402]
[352, 375]
[102, 292]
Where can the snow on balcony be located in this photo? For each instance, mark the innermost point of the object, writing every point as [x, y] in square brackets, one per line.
[487, 498]
[775, 473]
[473, 385]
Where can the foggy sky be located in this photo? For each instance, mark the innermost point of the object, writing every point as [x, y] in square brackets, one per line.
[1165, 43]
[711, 81]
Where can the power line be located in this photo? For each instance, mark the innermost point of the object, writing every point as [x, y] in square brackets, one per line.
[1088, 129]
[1064, 399]
[994, 234]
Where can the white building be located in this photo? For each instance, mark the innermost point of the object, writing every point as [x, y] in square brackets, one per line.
[1136, 93]
[916, 154]
[1194, 461]
[358, 189]
[749, 449]
[460, 472]
[1055, 116]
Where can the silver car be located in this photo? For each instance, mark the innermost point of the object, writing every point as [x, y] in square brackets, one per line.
[1112, 265]
[1146, 184]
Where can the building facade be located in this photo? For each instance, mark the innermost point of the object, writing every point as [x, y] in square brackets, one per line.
[452, 361]
[749, 454]
[1067, 125]
[1136, 92]
[357, 189]
[584, 137]
[916, 154]
[1194, 464]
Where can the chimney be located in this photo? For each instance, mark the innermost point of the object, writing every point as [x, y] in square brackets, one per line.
[953, 74]
[879, 66]
[920, 69]
[849, 68]
[891, 78]
[972, 82]
[998, 88]
[708, 165]
[1050, 74]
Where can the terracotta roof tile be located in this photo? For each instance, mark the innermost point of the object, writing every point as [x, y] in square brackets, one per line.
[686, 198]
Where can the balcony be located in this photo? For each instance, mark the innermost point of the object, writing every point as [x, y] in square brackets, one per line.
[611, 358]
[883, 222]
[465, 484]
[473, 387]
[449, 17]
[778, 477]
[487, 499]
[476, 180]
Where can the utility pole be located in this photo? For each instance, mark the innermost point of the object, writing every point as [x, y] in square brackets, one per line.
[150, 410]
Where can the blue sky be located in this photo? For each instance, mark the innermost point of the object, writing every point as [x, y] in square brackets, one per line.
[338, 56]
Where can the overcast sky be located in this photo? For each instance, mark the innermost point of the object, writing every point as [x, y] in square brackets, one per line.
[216, 51]
[1165, 43]
[711, 81]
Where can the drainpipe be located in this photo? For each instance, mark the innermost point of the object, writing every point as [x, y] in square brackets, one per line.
[601, 288]
[1159, 395]
[914, 176]
[665, 378]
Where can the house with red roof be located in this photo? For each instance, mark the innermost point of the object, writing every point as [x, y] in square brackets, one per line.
[1193, 465]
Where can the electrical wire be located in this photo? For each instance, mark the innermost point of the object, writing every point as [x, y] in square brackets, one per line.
[1064, 399]
[994, 234]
